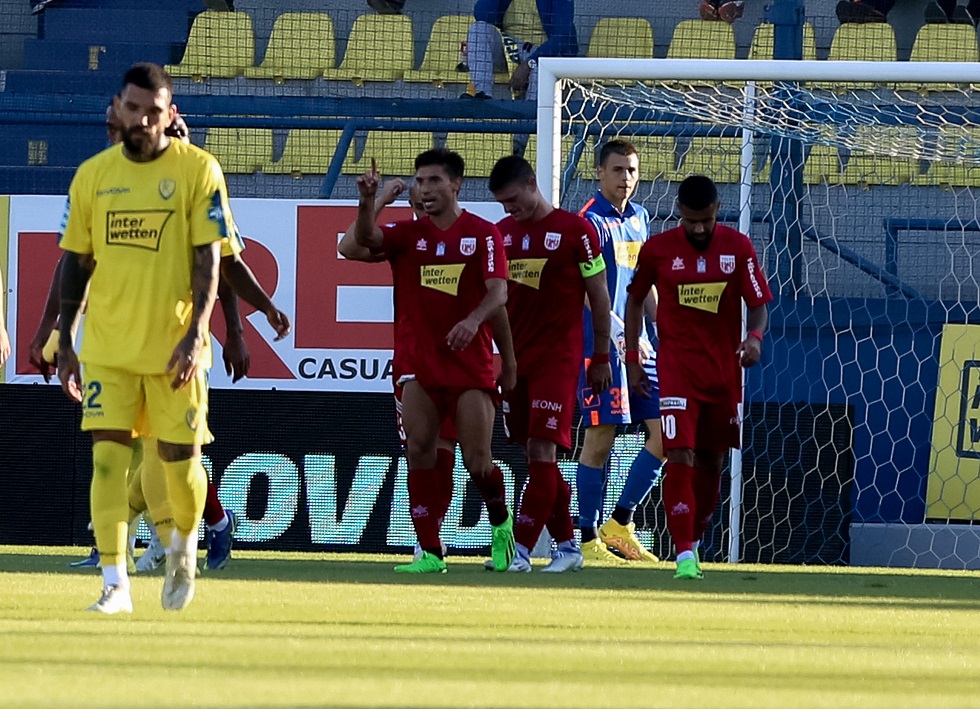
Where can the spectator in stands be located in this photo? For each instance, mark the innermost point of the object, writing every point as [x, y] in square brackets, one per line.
[725, 10]
[387, 7]
[939, 11]
[522, 31]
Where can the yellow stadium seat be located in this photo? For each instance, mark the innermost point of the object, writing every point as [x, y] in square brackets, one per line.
[871, 42]
[720, 159]
[698, 39]
[871, 161]
[240, 151]
[379, 48]
[481, 151]
[943, 43]
[822, 165]
[762, 42]
[585, 164]
[442, 52]
[301, 46]
[220, 44]
[955, 141]
[621, 38]
[307, 152]
[658, 159]
[395, 152]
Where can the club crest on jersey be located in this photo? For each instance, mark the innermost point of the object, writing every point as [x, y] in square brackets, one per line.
[508, 240]
[440, 249]
[467, 245]
[727, 263]
[420, 245]
[167, 187]
[678, 264]
[526, 243]
[702, 265]
[552, 240]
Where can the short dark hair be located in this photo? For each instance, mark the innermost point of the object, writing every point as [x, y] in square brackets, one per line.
[697, 192]
[508, 170]
[616, 146]
[149, 76]
[448, 160]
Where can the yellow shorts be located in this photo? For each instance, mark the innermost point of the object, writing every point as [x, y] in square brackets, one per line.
[116, 400]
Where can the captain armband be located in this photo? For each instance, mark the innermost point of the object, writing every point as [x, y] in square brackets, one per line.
[596, 265]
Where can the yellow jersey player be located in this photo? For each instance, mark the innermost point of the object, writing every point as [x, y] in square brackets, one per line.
[152, 213]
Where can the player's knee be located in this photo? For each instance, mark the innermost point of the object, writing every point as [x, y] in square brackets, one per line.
[681, 456]
[175, 452]
[540, 450]
[597, 445]
[478, 461]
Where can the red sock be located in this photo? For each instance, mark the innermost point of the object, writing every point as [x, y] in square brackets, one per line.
[707, 488]
[560, 523]
[537, 502]
[445, 462]
[213, 511]
[423, 500]
[679, 504]
[494, 494]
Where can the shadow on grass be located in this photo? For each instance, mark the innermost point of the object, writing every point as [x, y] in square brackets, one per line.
[923, 589]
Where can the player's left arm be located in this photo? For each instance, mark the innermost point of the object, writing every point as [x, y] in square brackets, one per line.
[592, 266]
[500, 326]
[756, 293]
[185, 360]
[235, 351]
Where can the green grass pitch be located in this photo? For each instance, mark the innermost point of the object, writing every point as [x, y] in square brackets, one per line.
[317, 630]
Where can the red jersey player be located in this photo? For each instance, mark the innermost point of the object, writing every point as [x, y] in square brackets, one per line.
[452, 276]
[703, 271]
[554, 260]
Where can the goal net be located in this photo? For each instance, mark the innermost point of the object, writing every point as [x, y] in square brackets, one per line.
[858, 184]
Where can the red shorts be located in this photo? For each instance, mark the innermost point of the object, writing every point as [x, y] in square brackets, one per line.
[447, 431]
[702, 425]
[543, 408]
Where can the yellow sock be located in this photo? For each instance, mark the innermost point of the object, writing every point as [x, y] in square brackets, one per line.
[187, 488]
[154, 480]
[137, 500]
[110, 507]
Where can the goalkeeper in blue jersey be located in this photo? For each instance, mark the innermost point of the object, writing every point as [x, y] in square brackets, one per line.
[623, 228]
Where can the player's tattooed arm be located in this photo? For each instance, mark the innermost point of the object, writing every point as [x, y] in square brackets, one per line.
[348, 246]
[235, 351]
[76, 270]
[186, 357]
[48, 324]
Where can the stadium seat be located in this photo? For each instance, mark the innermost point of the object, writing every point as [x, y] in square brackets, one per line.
[943, 43]
[220, 44]
[823, 164]
[871, 42]
[301, 46]
[481, 151]
[719, 158]
[871, 161]
[379, 48]
[442, 52]
[621, 38]
[240, 151]
[762, 42]
[307, 152]
[698, 39]
[658, 157]
[394, 150]
[955, 141]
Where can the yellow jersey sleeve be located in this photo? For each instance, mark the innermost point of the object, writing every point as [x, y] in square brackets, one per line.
[211, 217]
[76, 225]
[234, 244]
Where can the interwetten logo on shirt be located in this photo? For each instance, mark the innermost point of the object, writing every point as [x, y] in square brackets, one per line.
[139, 228]
[627, 253]
[527, 271]
[443, 278]
[702, 296]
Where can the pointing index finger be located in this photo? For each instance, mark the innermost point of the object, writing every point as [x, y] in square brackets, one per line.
[374, 166]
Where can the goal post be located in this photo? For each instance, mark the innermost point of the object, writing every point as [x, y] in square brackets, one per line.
[859, 183]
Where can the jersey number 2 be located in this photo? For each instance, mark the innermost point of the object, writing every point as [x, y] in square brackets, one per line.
[94, 390]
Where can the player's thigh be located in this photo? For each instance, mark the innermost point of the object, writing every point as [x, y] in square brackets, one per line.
[718, 428]
[679, 421]
[551, 407]
[610, 407]
[420, 416]
[111, 400]
[474, 424]
[177, 417]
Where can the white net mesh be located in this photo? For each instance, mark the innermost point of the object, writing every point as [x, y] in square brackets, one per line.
[861, 434]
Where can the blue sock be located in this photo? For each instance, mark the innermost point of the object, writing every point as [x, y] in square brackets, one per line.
[644, 473]
[590, 483]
